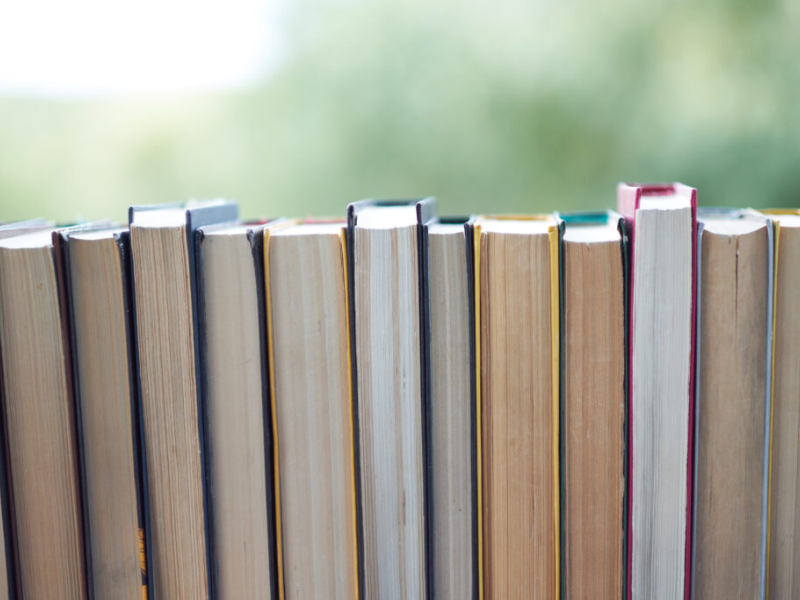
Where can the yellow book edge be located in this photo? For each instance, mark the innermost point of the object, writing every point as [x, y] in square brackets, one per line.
[555, 332]
[343, 238]
[476, 244]
[273, 411]
[777, 228]
[555, 326]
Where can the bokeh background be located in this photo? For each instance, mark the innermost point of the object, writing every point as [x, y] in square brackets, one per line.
[296, 107]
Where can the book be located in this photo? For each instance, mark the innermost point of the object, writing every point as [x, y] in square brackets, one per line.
[165, 296]
[517, 347]
[662, 221]
[39, 419]
[452, 411]
[237, 416]
[784, 535]
[8, 574]
[312, 400]
[98, 278]
[734, 339]
[389, 319]
[593, 404]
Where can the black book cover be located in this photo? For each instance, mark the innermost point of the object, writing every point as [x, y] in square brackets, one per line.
[472, 249]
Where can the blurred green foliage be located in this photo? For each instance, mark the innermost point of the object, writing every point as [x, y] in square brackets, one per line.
[516, 106]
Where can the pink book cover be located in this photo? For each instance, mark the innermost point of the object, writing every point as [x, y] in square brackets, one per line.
[628, 199]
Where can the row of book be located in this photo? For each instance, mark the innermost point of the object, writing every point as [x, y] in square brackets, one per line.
[585, 405]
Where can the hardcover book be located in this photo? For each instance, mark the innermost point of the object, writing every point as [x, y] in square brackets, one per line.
[452, 410]
[8, 573]
[662, 222]
[106, 396]
[388, 270]
[39, 414]
[594, 288]
[307, 296]
[732, 405]
[166, 320]
[517, 303]
[237, 419]
[783, 558]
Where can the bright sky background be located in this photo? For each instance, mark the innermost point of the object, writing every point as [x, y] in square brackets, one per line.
[102, 47]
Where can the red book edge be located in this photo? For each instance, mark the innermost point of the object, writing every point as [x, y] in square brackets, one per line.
[628, 199]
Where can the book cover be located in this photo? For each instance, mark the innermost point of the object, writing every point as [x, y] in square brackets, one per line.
[469, 247]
